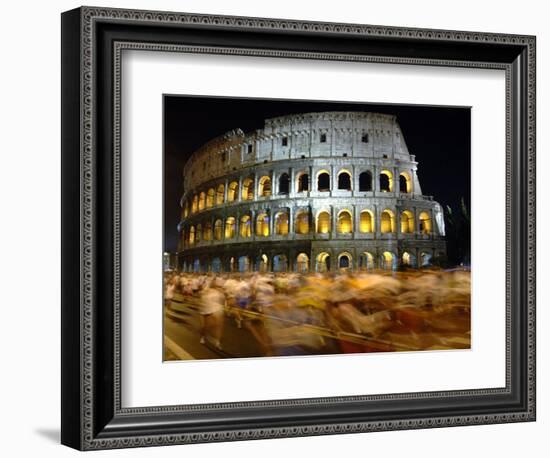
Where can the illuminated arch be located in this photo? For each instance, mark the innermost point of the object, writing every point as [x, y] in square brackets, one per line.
[195, 204]
[186, 209]
[408, 259]
[245, 226]
[386, 181]
[345, 224]
[281, 223]
[218, 229]
[323, 262]
[407, 222]
[404, 182]
[202, 200]
[264, 186]
[388, 261]
[366, 222]
[324, 224]
[207, 231]
[366, 261]
[323, 181]
[301, 222]
[262, 263]
[210, 198]
[230, 226]
[344, 180]
[232, 191]
[387, 222]
[302, 263]
[425, 223]
[262, 225]
[248, 189]
[220, 191]
[192, 235]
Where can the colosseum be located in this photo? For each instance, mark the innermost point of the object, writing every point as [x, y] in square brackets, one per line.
[308, 192]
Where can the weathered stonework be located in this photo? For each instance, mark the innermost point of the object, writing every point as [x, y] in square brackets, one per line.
[247, 205]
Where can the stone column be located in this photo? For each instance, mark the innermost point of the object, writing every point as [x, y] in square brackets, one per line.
[273, 188]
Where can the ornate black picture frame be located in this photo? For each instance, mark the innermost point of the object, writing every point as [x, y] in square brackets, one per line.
[92, 42]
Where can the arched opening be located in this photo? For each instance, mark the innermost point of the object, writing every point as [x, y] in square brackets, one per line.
[386, 181]
[262, 225]
[198, 233]
[284, 184]
[218, 228]
[248, 189]
[345, 225]
[301, 222]
[404, 182]
[366, 261]
[407, 222]
[207, 231]
[323, 262]
[408, 259]
[388, 261]
[216, 265]
[192, 235]
[323, 181]
[210, 198]
[245, 227]
[262, 263]
[425, 223]
[281, 223]
[220, 190]
[387, 222]
[344, 180]
[264, 186]
[195, 204]
[344, 261]
[302, 263]
[244, 264]
[425, 259]
[303, 182]
[232, 191]
[230, 227]
[196, 265]
[280, 263]
[365, 181]
[366, 222]
[202, 200]
[232, 265]
[323, 223]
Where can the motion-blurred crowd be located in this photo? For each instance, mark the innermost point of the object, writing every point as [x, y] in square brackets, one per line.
[289, 313]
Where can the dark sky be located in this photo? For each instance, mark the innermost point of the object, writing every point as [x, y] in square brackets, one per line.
[439, 137]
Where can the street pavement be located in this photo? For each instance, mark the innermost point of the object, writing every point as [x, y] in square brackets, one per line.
[182, 336]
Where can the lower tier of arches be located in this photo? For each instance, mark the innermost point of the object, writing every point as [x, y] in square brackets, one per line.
[307, 257]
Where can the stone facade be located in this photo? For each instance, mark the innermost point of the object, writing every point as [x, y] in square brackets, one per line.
[308, 192]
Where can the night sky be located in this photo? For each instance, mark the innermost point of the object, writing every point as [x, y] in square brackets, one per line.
[439, 137]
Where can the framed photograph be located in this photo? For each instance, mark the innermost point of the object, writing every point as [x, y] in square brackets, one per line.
[276, 228]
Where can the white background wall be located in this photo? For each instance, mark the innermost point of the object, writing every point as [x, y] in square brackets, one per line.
[30, 241]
